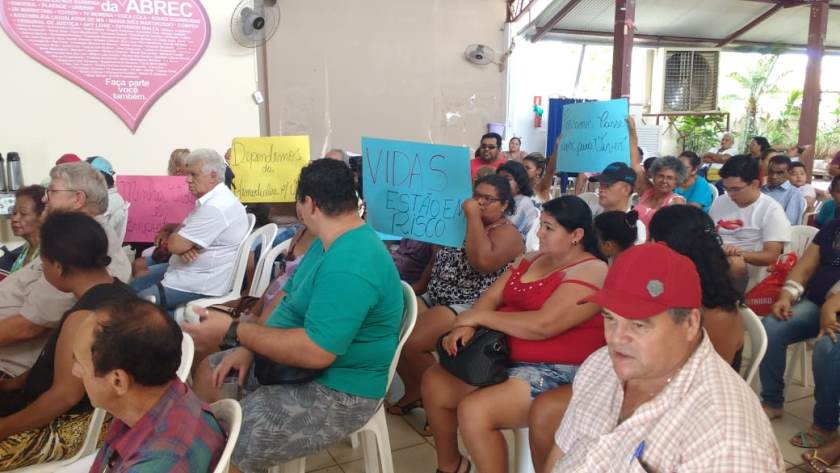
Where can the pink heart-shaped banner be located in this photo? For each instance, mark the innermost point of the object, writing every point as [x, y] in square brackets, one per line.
[127, 53]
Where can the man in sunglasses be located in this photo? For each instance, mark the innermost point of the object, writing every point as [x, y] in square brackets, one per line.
[488, 155]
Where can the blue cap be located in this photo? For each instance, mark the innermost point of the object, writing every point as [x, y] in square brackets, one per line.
[102, 165]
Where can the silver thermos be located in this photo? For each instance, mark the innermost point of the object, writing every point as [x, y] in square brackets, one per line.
[2, 174]
[14, 173]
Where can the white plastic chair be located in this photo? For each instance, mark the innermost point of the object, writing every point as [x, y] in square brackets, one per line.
[758, 342]
[187, 355]
[377, 426]
[229, 415]
[591, 198]
[800, 237]
[262, 276]
[714, 189]
[237, 274]
[522, 452]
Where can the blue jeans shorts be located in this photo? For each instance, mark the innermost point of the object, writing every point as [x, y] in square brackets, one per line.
[542, 376]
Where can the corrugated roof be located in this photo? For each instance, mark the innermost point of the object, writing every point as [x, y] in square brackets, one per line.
[676, 21]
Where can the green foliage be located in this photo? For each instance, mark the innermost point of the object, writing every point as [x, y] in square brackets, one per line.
[784, 129]
[756, 82]
[828, 136]
[699, 132]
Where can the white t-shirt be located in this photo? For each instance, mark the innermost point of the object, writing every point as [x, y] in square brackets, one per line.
[748, 228]
[217, 224]
[714, 169]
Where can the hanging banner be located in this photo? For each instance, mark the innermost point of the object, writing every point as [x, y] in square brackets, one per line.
[267, 168]
[126, 53]
[153, 202]
[593, 135]
[415, 190]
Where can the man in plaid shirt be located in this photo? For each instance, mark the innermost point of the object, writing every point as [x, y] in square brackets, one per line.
[658, 397]
[128, 361]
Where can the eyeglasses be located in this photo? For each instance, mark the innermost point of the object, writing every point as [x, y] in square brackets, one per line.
[734, 190]
[488, 146]
[484, 198]
[49, 191]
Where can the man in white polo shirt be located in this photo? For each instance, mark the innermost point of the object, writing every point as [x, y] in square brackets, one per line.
[752, 225]
[204, 246]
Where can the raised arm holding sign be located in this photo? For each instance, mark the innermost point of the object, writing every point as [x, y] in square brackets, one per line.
[415, 190]
[594, 134]
[267, 168]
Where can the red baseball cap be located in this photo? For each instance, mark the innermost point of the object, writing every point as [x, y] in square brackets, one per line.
[647, 280]
[68, 158]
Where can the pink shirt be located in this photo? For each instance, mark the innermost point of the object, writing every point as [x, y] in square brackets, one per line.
[646, 212]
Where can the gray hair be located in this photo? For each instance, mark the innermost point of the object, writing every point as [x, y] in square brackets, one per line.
[679, 314]
[730, 135]
[669, 162]
[211, 162]
[83, 178]
[343, 154]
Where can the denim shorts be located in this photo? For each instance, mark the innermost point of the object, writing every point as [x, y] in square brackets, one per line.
[542, 376]
[455, 308]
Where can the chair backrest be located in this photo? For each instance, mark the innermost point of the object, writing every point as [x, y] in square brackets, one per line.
[714, 189]
[228, 413]
[237, 274]
[800, 237]
[265, 235]
[591, 198]
[408, 321]
[187, 354]
[758, 342]
[265, 268]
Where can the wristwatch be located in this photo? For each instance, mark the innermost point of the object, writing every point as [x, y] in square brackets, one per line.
[231, 340]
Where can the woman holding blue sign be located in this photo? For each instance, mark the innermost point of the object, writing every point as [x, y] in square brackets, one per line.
[458, 277]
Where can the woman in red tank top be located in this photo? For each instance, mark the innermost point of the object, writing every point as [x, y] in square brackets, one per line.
[535, 304]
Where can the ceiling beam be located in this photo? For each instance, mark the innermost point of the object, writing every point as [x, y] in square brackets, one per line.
[691, 40]
[792, 3]
[752, 24]
[542, 30]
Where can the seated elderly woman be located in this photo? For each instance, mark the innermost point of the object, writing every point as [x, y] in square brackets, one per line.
[44, 412]
[549, 334]
[204, 245]
[688, 230]
[26, 224]
[458, 277]
[526, 213]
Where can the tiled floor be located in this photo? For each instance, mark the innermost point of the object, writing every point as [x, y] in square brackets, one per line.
[413, 453]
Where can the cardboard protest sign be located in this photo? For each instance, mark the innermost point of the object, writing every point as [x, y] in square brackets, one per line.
[154, 201]
[593, 135]
[415, 190]
[267, 168]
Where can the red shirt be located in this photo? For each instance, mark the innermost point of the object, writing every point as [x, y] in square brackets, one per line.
[476, 164]
[570, 347]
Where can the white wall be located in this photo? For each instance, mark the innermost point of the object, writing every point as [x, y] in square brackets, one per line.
[340, 70]
[43, 116]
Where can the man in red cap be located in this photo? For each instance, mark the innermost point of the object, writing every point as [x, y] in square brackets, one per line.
[658, 397]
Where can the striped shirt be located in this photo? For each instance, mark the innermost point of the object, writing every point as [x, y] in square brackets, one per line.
[705, 420]
[179, 435]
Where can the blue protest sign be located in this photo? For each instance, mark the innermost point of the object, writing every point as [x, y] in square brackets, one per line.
[593, 135]
[415, 190]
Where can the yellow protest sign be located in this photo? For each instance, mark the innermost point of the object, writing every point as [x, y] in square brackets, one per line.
[267, 168]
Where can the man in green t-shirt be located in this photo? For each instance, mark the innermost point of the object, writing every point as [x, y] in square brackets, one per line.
[341, 313]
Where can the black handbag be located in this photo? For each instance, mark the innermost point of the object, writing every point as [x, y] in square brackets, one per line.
[269, 373]
[482, 361]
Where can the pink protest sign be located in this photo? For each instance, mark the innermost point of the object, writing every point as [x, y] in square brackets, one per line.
[126, 53]
[155, 201]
